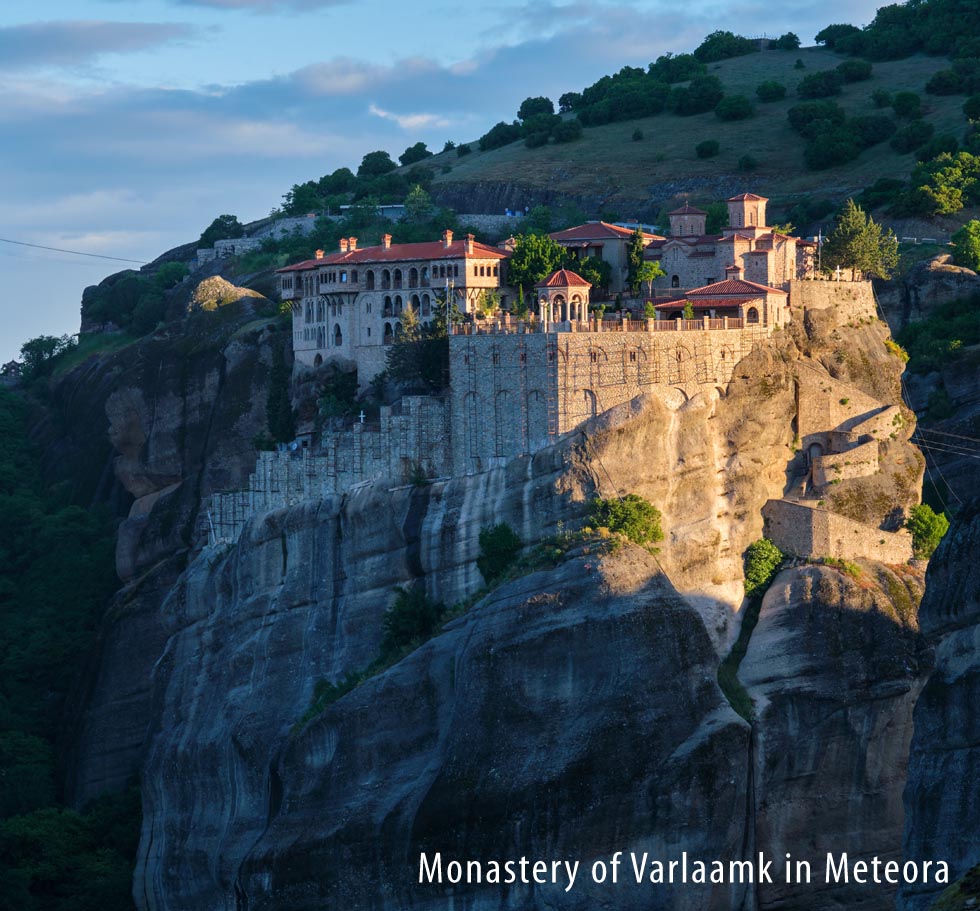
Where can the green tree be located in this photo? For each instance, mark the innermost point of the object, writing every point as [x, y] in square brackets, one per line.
[634, 260]
[788, 42]
[413, 617]
[375, 164]
[927, 528]
[770, 90]
[762, 562]
[418, 205]
[531, 107]
[280, 416]
[649, 272]
[636, 518]
[907, 104]
[414, 154]
[707, 148]
[967, 243]
[820, 85]
[222, 228]
[858, 243]
[833, 33]
[734, 107]
[688, 312]
[534, 258]
[500, 546]
[38, 354]
[597, 272]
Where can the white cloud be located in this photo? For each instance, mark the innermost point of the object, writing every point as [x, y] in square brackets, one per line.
[410, 121]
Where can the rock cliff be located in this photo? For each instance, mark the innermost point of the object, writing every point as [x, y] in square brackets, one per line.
[571, 712]
[942, 797]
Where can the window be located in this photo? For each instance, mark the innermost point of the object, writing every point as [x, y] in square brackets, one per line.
[632, 357]
[368, 308]
[353, 276]
[369, 332]
[343, 278]
[476, 270]
[496, 357]
[456, 271]
[752, 316]
[495, 272]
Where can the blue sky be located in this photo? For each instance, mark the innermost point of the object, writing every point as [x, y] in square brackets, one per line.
[128, 125]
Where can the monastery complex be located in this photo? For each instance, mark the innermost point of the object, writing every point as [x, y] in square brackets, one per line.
[518, 385]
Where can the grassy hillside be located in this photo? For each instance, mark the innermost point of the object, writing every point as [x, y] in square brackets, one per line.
[607, 162]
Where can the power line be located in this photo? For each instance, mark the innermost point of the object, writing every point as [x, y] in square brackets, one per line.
[119, 259]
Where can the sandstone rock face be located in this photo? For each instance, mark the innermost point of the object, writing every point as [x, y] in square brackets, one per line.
[834, 667]
[942, 797]
[926, 286]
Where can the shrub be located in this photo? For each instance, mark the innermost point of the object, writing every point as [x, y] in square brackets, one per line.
[412, 617]
[937, 146]
[747, 164]
[882, 98]
[462, 150]
[927, 528]
[820, 85]
[531, 107]
[971, 107]
[762, 561]
[567, 131]
[770, 90]
[499, 548]
[907, 105]
[884, 191]
[734, 107]
[855, 70]
[708, 148]
[722, 45]
[787, 42]
[637, 135]
[632, 516]
[945, 82]
[501, 134]
[909, 138]
[703, 93]
[831, 147]
[535, 140]
[873, 128]
[830, 35]
[812, 117]
[799, 65]
[967, 246]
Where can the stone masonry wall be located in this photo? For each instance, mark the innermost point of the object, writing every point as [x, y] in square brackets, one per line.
[859, 462]
[808, 531]
[853, 300]
[511, 394]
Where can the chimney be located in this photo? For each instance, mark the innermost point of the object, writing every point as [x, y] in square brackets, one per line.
[469, 243]
[319, 254]
[386, 241]
[352, 244]
[733, 271]
[343, 244]
[447, 238]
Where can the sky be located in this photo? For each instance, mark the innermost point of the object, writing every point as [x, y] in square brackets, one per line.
[126, 126]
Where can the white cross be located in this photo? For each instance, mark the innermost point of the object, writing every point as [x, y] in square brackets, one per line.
[362, 415]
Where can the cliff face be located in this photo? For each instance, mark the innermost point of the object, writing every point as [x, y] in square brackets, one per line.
[569, 713]
[942, 800]
[168, 419]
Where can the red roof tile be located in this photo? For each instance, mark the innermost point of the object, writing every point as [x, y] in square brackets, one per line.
[564, 278]
[687, 210]
[748, 197]
[597, 230]
[735, 287]
[400, 253]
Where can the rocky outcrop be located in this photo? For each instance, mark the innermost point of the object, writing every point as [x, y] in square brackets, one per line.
[942, 800]
[927, 285]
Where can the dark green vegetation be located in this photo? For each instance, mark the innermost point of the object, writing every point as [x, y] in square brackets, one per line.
[57, 574]
[132, 300]
[859, 243]
[967, 241]
[944, 338]
[632, 516]
[927, 528]
[762, 563]
[499, 548]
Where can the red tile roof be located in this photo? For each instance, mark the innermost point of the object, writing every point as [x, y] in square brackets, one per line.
[687, 210]
[400, 253]
[748, 197]
[735, 287]
[703, 302]
[564, 278]
[597, 230]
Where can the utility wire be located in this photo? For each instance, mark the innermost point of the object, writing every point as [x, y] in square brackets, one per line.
[120, 259]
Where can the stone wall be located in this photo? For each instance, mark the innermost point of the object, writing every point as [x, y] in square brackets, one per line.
[512, 394]
[493, 226]
[851, 300]
[808, 531]
[410, 440]
[858, 462]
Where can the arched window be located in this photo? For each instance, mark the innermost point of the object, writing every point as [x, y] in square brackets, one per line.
[476, 270]
[397, 278]
[752, 316]
[387, 307]
[385, 279]
[318, 361]
[369, 279]
[675, 281]
[389, 335]
[416, 304]
[413, 278]
[398, 329]
[398, 305]
[338, 336]
[426, 309]
[425, 276]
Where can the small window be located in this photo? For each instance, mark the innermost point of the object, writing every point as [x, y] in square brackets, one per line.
[496, 357]
[632, 357]
[594, 356]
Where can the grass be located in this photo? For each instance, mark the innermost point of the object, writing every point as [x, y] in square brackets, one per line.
[89, 345]
[608, 162]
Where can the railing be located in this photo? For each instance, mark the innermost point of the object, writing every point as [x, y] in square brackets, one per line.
[511, 327]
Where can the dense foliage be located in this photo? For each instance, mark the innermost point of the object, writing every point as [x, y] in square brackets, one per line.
[500, 546]
[934, 343]
[56, 576]
[636, 518]
[132, 300]
[412, 618]
[762, 562]
[927, 528]
[859, 243]
[967, 245]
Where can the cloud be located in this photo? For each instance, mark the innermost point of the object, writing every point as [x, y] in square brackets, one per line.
[410, 121]
[73, 43]
[264, 6]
